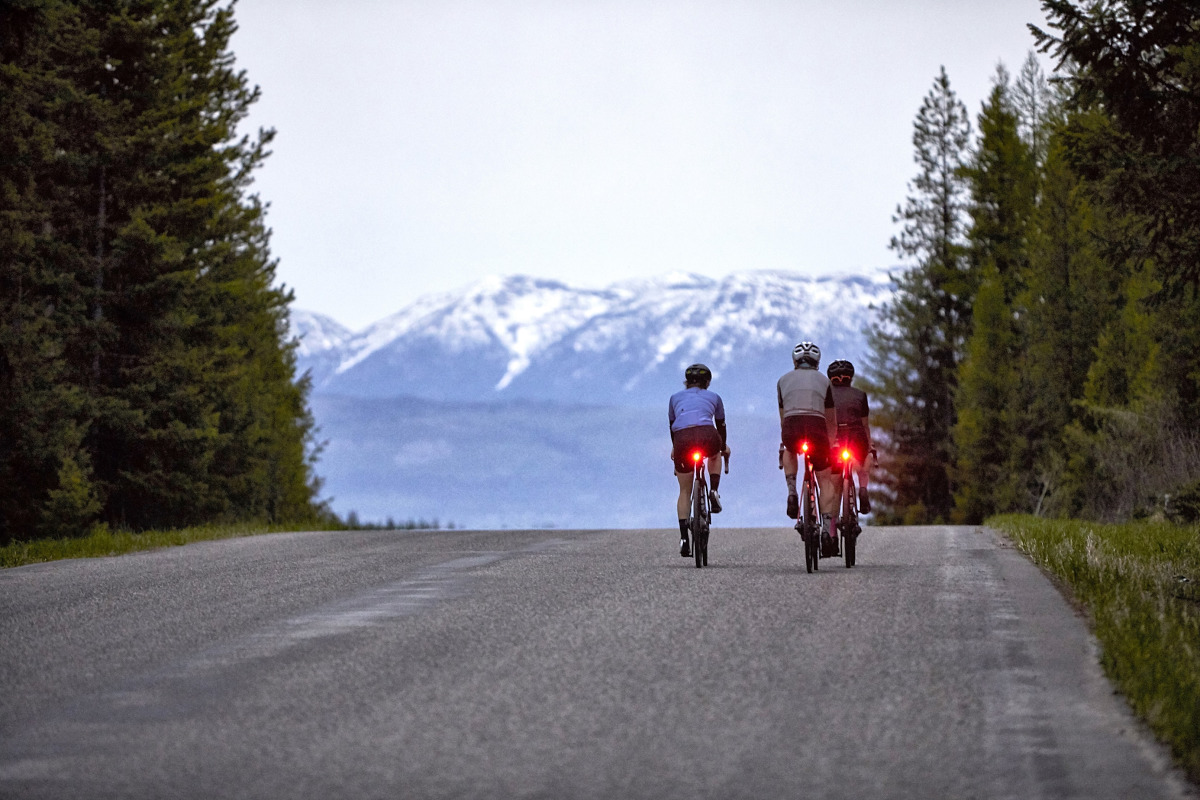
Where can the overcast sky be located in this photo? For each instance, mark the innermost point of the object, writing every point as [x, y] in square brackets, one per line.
[423, 144]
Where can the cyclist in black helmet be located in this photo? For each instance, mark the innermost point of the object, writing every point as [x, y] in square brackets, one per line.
[853, 429]
[697, 418]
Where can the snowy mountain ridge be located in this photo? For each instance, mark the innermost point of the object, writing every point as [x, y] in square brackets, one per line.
[532, 338]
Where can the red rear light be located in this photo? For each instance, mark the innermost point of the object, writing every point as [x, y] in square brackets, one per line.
[804, 447]
[696, 456]
[845, 455]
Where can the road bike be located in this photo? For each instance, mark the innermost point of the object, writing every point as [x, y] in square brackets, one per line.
[808, 522]
[700, 515]
[847, 525]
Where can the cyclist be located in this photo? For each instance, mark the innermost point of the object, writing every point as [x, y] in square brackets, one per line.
[807, 413]
[853, 429]
[697, 418]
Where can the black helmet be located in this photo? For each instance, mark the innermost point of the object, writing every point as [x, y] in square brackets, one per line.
[841, 372]
[697, 375]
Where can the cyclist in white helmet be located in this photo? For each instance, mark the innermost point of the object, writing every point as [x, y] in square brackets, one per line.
[807, 413]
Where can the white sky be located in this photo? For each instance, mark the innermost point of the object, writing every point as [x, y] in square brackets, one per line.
[423, 144]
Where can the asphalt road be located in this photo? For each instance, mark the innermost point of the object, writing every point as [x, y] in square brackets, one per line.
[553, 664]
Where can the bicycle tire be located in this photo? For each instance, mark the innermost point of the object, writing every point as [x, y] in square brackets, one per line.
[808, 514]
[849, 522]
[699, 518]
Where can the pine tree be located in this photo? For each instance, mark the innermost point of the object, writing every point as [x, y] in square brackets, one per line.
[43, 414]
[919, 340]
[1034, 102]
[1139, 60]
[131, 218]
[987, 384]
[994, 459]
[1070, 296]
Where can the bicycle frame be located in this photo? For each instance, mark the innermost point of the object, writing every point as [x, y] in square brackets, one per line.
[809, 523]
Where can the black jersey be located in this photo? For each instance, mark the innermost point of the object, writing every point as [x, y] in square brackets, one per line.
[852, 410]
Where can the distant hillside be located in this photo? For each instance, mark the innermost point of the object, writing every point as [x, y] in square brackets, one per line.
[627, 345]
[520, 402]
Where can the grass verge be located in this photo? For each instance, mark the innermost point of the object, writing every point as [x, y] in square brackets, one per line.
[104, 542]
[1140, 584]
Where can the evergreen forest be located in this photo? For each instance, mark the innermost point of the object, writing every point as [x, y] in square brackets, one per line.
[1038, 356]
[1040, 353]
[146, 374]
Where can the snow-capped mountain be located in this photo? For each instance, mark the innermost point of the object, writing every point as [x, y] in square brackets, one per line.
[527, 338]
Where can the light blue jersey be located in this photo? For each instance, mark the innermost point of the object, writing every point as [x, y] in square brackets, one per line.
[694, 407]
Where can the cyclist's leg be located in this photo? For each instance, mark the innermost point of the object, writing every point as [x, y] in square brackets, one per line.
[864, 481]
[790, 468]
[832, 497]
[683, 508]
[684, 503]
[714, 480]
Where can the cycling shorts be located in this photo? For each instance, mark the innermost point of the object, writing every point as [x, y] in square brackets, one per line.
[688, 440]
[856, 440]
[807, 428]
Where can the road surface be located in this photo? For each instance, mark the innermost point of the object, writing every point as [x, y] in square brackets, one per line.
[556, 664]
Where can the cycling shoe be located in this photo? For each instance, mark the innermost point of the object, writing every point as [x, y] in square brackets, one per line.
[793, 506]
[714, 502]
[684, 550]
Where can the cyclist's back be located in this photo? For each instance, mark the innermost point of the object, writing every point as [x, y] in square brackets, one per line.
[852, 412]
[694, 407]
[697, 419]
[804, 390]
[806, 414]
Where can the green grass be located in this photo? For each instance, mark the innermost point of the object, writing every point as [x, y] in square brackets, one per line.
[1140, 584]
[104, 542]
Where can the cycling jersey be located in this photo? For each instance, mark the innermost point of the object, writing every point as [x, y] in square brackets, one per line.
[852, 413]
[852, 410]
[694, 406]
[804, 390]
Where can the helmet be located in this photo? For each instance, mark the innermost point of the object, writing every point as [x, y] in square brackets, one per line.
[841, 372]
[697, 375]
[806, 351]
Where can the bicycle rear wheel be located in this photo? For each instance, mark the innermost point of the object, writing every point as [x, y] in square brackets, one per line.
[809, 528]
[849, 521]
[699, 522]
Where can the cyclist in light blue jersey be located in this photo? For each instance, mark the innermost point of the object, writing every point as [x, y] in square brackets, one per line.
[697, 418]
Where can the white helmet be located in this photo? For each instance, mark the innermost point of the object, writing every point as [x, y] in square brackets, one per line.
[806, 351]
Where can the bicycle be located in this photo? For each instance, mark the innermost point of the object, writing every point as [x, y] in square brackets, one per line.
[847, 524]
[808, 522]
[700, 515]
